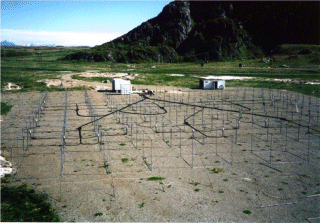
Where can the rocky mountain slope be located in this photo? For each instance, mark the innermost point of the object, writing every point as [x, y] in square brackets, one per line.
[212, 30]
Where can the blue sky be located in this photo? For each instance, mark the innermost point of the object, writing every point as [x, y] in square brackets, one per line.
[73, 22]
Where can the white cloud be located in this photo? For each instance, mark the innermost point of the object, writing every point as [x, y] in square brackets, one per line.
[26, 37]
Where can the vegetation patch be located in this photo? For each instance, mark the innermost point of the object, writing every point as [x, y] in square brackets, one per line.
[195, 183]
[155, 178]
[98, 214]
[21, 204]
[124, 160]
[217, 170]
[104, 166]
[5, 108]
[247, 212]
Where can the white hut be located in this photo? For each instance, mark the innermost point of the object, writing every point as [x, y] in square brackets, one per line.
[123, 86]
[212, 84]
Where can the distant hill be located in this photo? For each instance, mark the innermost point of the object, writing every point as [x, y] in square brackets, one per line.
[6, 43]
[212, 30]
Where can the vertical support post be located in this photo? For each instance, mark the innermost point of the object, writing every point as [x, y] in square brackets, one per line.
[299, 130]
[231, 152]
[143, 155]
[251, 139]
[180, 142]
[162, 129]
[270, 149]
[108, 154]
[150, 119]
[216, 141]
[170, 135]
[236, 136]
[176, 115]
[151, 155]
[211, 120]
[285, 147]
[136, 136]
[131, 131]
[194, 112]
[308, 148]
[192, 148]
[18, 152]
[12, 163]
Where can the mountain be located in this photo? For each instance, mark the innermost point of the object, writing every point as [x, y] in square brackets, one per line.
[212, 30]
[6, 43]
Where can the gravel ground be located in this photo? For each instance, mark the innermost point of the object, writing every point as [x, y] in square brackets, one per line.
[267, 171]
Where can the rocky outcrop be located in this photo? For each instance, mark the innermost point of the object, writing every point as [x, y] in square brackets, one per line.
[211, 30]
[170, 27]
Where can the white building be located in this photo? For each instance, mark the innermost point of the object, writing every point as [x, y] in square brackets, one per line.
[212, 84]
[124, 86]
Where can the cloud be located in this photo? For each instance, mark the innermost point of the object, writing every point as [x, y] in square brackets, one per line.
[65, 38]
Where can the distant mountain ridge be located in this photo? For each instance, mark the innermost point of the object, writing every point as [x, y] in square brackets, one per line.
[6, 43]
[212, 30]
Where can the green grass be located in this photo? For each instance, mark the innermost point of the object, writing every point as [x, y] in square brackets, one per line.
[5, 108]
[247, 212]
[124, 160]
[98, 214]
[155, 178]
[23, 204]
[197, 190]
[195, 183]
[24, 67]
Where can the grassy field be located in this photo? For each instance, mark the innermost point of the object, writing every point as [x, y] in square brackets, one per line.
[26, 66]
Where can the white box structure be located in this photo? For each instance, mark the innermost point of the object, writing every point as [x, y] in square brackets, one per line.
[211, 84]
[116, 84]
[126, 88]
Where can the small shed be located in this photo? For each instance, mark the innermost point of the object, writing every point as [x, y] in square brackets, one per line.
[126, 88]
[116, 84]
[212, 84]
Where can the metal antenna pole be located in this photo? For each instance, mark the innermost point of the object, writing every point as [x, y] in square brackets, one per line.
[192, 148]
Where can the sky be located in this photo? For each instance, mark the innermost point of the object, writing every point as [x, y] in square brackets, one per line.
[73, 23]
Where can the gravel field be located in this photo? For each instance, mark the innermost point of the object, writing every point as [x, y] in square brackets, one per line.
[239, 154]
